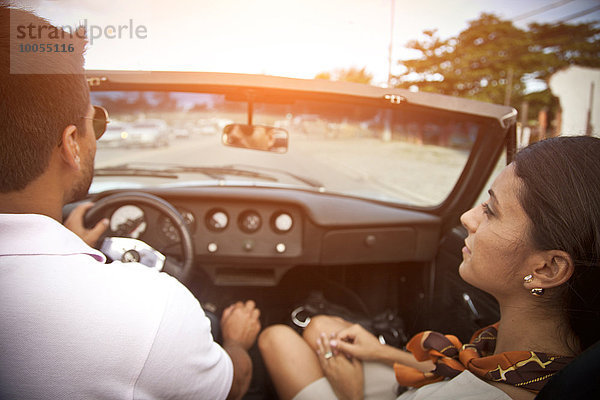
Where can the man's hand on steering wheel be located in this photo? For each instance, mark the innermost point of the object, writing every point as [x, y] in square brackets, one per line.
[180, 267]
[74, 222]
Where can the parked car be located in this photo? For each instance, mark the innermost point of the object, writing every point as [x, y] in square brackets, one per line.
[368, 222]
[208, 127]
[115, 135]
[148, 133]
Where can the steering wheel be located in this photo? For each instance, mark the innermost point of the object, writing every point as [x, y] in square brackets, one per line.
[179, 270]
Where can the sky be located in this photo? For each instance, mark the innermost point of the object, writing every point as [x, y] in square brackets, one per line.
[294, 38]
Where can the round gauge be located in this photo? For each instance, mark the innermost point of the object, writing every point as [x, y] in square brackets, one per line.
[282, 222]
[169, 230]
[188, 217]
[128, 221]
[217, 220]
[249, 221]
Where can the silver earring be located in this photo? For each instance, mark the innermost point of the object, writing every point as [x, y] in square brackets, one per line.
[528, 278]
[537, 291]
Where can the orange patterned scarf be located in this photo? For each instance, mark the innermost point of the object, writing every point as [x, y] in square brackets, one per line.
[525, 369]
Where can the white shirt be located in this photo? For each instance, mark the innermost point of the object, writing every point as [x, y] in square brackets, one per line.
[72, 327]
[464, 386]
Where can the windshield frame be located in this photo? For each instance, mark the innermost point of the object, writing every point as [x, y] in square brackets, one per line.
[498, 120]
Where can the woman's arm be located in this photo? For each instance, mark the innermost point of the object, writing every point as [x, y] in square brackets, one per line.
[344, 375]
[357, 342]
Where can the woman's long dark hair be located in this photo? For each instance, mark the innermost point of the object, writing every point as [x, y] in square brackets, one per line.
[561, 196]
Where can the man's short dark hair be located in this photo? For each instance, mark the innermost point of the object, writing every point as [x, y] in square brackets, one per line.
[36, 107]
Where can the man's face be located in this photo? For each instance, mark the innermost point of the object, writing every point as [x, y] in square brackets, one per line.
[87, 152]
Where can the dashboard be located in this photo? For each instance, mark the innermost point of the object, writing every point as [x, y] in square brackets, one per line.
[252, 236]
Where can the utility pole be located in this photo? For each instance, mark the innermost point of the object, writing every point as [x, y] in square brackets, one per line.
[509, 85]
[588, 123]
[523, 134]
[386, 135]
[389, 81]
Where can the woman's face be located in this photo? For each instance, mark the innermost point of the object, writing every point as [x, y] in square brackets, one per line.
[498, 252]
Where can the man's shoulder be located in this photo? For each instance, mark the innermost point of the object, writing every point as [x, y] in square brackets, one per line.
[114, 289]
[36, 234]
[134, 280]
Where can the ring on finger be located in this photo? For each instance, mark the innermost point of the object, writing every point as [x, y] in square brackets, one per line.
[328, 355]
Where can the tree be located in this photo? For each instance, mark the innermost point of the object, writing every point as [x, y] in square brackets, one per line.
[323, 75]
[492, 58]
[562, 45]
[164, 101]
[351, 74]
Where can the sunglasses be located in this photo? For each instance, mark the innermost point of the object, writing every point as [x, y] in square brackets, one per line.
[99, 121]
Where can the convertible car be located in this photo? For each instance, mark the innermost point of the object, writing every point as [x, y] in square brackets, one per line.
[308, 196]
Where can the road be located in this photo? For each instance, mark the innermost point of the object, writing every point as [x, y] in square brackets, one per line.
[418, 174]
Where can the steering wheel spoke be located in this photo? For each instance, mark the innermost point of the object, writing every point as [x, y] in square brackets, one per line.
[173, 267]
[132, 250]
[129, 249]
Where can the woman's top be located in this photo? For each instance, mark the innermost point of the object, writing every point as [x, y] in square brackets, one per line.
[465, 386]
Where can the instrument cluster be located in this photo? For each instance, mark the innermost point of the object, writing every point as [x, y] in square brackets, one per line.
[248, 221]
[231, 229]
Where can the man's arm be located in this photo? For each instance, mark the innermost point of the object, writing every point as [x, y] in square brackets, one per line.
[74, 222]
[182, 359]
[242, 370]
[240, 326]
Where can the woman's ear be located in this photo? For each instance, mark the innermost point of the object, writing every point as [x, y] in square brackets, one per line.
[556, 270]
[69, 149]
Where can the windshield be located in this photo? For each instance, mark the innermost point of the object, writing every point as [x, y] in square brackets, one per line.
[403, 155]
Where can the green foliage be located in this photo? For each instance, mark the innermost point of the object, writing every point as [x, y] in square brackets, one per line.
[542, 100]
[351, 74]
[492, 53]
[563, 45]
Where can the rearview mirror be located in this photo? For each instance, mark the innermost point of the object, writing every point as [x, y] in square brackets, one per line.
[256, 137]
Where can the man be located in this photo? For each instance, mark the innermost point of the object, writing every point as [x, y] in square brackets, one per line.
[73, 327]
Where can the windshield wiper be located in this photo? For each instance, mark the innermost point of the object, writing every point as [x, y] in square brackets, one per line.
[218, 172]
[173, 171]
[123, 170]
[307, 180]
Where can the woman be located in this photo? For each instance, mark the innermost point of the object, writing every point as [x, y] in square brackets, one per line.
[534, 245]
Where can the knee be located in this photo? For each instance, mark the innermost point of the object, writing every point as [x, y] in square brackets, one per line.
[316, 326]
[322, 323]
[275, 338]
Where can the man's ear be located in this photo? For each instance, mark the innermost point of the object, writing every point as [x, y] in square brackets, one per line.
[69, 149]
[556, 270]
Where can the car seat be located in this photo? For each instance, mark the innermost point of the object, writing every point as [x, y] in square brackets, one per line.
[578, 380]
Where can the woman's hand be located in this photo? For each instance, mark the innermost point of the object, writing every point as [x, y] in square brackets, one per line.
[345, 374]
[357, 342]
